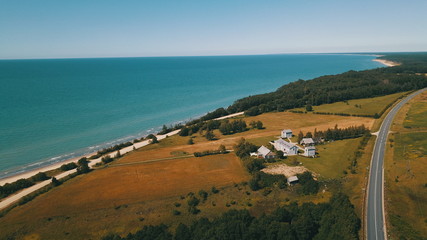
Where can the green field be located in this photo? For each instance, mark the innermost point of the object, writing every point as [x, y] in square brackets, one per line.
[366, 106]
[417, 116]
[406, 172]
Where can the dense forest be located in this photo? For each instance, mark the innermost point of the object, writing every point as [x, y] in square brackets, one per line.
[332, 220]
[334, 88]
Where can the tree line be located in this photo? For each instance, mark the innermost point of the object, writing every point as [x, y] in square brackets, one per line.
[335, 88]
[335, 219]
[10, 188]
[336, 133]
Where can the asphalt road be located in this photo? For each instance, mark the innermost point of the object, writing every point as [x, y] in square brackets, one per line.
[375, 198]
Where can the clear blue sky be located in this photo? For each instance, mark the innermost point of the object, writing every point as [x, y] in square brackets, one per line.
[116, 28]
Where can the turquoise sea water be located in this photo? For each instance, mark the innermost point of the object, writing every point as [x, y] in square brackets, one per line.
[51, 110]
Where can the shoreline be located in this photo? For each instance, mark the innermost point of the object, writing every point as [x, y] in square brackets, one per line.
[387, 63]
[32, 172]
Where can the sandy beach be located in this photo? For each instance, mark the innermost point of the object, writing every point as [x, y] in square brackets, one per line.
[386, 62]
[93, 162]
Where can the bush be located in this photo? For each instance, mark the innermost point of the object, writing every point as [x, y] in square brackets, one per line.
[68, 166]
[309, 185]
[41, 176]
[203, 194]
[214, 190]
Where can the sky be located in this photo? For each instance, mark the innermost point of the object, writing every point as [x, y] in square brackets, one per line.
[120, 28]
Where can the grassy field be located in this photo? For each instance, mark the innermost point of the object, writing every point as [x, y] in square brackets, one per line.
[334, 158]
[143, 186]
[406, 189]
[368, 106]
[417, 116]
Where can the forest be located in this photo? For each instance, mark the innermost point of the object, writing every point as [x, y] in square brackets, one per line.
[335, 88]
[332, 220]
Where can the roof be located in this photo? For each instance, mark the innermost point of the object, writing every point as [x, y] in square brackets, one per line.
[287, 131]
[285, 144]
[263, 150]
[307, 140]
[292, 179]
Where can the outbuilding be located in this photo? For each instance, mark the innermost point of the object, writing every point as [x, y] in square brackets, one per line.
[310, 151]
[287, 133]
[292, 180]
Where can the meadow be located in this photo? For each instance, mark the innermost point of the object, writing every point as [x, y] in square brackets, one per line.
[365, 106]
[151, 184]
[406, 170]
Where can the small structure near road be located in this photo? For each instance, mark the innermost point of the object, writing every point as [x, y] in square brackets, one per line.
[264, 152]
[292, 180]
[287, 133]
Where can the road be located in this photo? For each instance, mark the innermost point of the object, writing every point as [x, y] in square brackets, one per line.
[375, 217]
[13, 198]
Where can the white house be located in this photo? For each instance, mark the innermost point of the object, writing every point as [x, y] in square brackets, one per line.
[310, 151]
[264, 152]
[287, 148]
[287, 133]
[292, 180]
[307, 142]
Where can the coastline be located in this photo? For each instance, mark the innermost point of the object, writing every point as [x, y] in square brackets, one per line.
[387, 63]
[57, 165]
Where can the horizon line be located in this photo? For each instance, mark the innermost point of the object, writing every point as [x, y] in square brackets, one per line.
[377, 54]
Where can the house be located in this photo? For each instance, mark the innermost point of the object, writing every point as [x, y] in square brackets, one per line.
[265, 153]
[292, 180]
[310, 151]
[287, 133]
[307, 142]
[287, 148]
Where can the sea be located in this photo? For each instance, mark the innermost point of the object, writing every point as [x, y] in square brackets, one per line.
[55, 109]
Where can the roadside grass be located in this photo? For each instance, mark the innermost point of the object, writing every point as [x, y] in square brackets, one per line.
[407, 192]
[417, 116]
[365, 106]
[405, 181]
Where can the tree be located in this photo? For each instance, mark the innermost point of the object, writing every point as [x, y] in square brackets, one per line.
[300, 136]
[259, 125]
[203, 194]
[41, 176]
[83, 166]
[118, 154]
[154, 140]
[55, 182]
[309, 108]
[182, 232]
[243, 148]
[222, 149]
[190, 141]
[210, 135]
